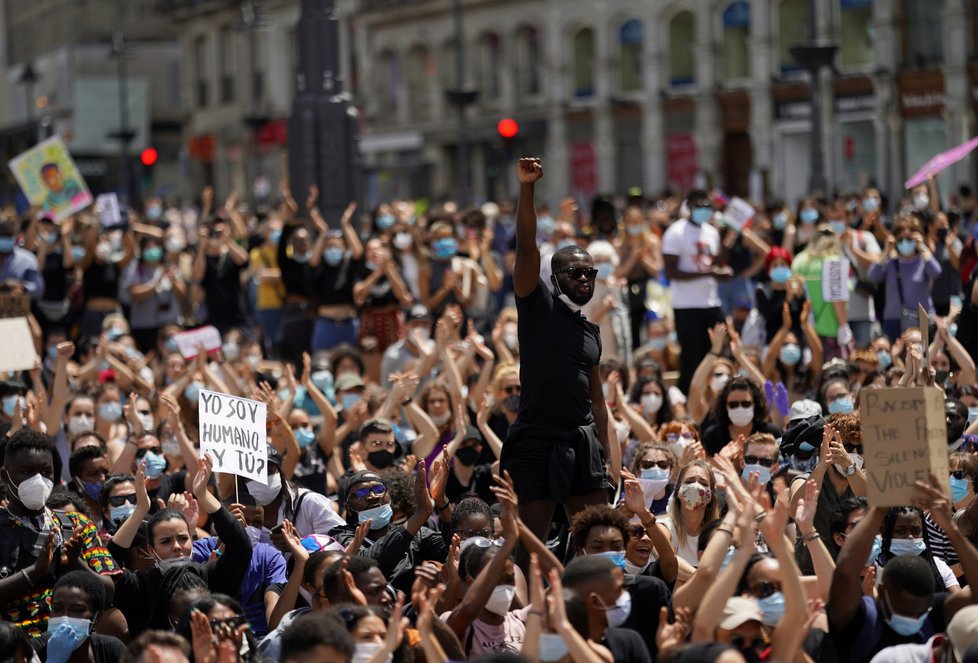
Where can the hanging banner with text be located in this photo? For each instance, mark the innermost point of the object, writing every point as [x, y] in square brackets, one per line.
[904, 439]
[835, 280]
[232, 431]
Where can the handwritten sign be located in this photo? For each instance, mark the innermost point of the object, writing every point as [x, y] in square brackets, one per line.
[904, 439]
[835, 281]
[189, 342]
[17, 352]
[738, 213]
[108, 211]
[232, 431]
[14, 306]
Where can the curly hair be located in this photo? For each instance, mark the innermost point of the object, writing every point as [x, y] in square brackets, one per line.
[676, 426]
[651, 446]
[597, 515]
[738, 383]
[849, 427]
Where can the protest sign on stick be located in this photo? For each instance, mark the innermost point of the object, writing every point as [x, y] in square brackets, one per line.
[50, 179]
[190, 341]
[738, 213]
[232, 431]
[835, 280]
[17, 352]
[14, 305]
[904, 440]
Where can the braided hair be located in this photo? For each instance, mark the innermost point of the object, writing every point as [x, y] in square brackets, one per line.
[890, 522]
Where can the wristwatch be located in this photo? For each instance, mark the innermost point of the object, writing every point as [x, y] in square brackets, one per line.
[851, 470]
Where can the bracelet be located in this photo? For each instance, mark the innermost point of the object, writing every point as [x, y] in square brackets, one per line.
[27, 577]
[650, 522]
[406, 402]
[442, 508]
[724, 530]
[759, 517]
[808, 538]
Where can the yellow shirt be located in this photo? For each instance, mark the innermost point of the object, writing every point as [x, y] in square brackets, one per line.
[270, 294]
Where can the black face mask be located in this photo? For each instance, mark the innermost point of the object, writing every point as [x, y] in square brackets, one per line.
[512, 403]
[468, 456]
[381, 459]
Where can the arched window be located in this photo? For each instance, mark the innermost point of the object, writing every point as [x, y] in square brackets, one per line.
[736, 37]
[923, 43]
[630, 40]
[420, 71]
[528, 56]
[583, 62]
[793, 30]
[490, 64]
[856, 46]
[682, 30]
[388, 81]
[447, 65]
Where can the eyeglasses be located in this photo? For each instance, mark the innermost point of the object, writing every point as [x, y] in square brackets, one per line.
[764, 589]
[364, 493]
[649, 464]
[119, 500]
[756, 460]
[379, 444]
[745, 405]
[142, 452]
[233, 622]
[513, 389]
[854, 448]
[484, 541]
[960, 474]
[473, 533]
[577, 272]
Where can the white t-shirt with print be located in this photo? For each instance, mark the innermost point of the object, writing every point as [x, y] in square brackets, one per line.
[697, 248]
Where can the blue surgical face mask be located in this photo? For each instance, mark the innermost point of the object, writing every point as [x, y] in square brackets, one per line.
[111, 411]
[841, 405]
[381, 516]
[959, 489]
[772, 608]
[876, 551]
[701, 215]
[10, 404]
[617, 557]
[779, 221]
[333, 256]
[114, 333]
[385, 221]
[552, 647]
[545, 225]
[81, 627]
[870, 204]
[349, 399]
[155, 464]
[118, 514]
[301, 258]
[901, 624]
[634, 231]
[838, 227]
[885, 359]
[907, 547]
[605, 270]
[323, 380]
[77, 253]
[93, 489]
[445, 248]
[192, 392]
[906, 247]
[780, 274]
[304, 436]
[790, 354]
[763, 473]
[275, 236]
[655, 474]
[809, 215]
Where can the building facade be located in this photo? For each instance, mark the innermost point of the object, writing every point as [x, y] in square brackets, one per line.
[614, 95]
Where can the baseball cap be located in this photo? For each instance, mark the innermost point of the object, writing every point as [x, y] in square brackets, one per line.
[347, 381]
[740, 610]
[803, 409]
[418, 313]
[274, 457]
[962, 630]
[472, 433]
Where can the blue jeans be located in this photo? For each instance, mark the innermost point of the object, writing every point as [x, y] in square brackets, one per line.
[327, 334]
[269, 320]
[738, 291]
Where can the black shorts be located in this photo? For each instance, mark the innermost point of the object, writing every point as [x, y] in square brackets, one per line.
[548, 469]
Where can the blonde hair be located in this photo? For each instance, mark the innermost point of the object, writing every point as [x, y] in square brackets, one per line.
[712, 511]
[502, 371]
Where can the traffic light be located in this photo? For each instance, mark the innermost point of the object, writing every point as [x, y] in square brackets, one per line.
[148, 156]
[508, 128]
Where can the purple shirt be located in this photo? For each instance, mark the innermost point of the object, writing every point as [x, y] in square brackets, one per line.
[916, 275]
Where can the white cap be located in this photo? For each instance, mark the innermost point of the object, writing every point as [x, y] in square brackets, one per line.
[803, 409]
[740, 610]
[962, 630]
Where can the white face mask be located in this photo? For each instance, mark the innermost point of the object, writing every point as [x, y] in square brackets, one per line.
[740, 416]
[717, 382]
[501, 599]
[441, 419]
[365, 651]
[651, 403]
[34, 492]
[81, 423]
[265, 494]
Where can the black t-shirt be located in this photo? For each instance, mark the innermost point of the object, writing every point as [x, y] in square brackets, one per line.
[105, 648]
[479, 485]
[717, 436]
[381, 293]
[55, 277]
[222, 286]
[335, 284]
[626, 645]
[867, 633]
[558, 350]
[648, 594]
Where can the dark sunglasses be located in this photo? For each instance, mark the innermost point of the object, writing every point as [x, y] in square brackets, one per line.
[513, 389]
[577, 272]
[649, 464]
[364, 493]
[142, 452]
[233, 622]
[854, 448]
[746, 405]
[741, 643]
[756, 460]
[960, 474]
[764, 589]
[119, 500]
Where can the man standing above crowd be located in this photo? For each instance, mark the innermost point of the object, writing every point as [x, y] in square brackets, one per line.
[554, 448]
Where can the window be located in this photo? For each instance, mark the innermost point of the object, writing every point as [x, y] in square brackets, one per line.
[583, 62]
[226, 55]
[258, 58]
[388, 82]
[448, 65]
[528, 56]
[630, 39]
[490, 64]
[420, 70]
[923, 43]
[681, 36]
[856, 46]
[200, 70]
[793, 28]
[736, 37]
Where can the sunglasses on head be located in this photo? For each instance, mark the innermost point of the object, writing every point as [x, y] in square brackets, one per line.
[119, 500]
[745, 405]
[364, 493]
[577, 272]
[649, 464]
[756, 460]
[764, 589]
[142, 452]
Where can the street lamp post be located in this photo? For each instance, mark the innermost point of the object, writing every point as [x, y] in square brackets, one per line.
[125, 134]
[461, 97]
[28, 77]
[252, 22]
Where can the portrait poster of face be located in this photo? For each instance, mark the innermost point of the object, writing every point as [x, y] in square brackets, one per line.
[50, 180]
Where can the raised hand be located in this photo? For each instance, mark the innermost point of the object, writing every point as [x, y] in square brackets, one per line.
[202, 638]
[529, 170]
[421, 494]
[669, 636]
[934, 500]
[142, 495]
[806, 508]
[439, 477]
[205, 466]
[358, 536]
[718, 336]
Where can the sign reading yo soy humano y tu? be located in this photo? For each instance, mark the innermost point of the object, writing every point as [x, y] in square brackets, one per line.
[904, 440]
[232, 431]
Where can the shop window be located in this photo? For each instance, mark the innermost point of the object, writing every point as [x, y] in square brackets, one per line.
[490, 61]
[856, 46]
[528, 55]
[736, 37]
[923, 43]
[420, 70]
[793, 29]
[681, 35]
[630, 40]
[583, 62]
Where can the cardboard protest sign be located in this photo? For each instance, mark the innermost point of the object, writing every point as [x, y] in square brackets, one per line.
[738, 213]
[108, 211]
[232, 431]
[835, 280]
[17, 352]
[14, 306]
[50, 180]
[188, 342]
[904, 439]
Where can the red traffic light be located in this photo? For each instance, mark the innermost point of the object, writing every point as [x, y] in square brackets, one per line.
[148, 156]
[508, 128]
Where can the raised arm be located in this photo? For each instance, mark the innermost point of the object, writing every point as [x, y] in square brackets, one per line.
[526, 273]
[846, 590]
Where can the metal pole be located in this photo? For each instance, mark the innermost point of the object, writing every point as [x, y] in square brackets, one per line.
[29, 103]
[463, 138]
[125, 134]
